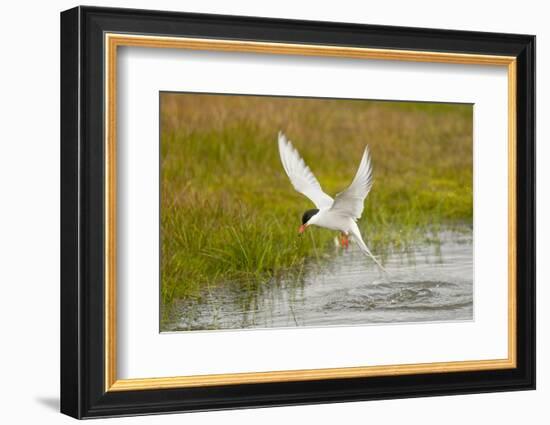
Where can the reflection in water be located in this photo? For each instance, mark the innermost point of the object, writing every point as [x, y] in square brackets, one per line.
[432, 282]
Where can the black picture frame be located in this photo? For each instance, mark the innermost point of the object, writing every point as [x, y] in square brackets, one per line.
[82, 218]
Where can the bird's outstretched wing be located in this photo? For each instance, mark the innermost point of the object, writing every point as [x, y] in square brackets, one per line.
[351, 201]
[300, 175]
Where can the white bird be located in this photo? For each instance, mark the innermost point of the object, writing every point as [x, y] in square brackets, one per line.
[340, 213]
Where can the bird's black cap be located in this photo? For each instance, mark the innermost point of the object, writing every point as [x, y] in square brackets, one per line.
[308, 214]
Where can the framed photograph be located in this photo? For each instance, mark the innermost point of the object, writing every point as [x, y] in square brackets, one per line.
[261, 212]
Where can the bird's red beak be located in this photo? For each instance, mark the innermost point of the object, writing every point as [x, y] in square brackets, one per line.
[302, 228]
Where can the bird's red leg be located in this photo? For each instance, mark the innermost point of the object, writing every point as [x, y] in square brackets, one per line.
[346, 241]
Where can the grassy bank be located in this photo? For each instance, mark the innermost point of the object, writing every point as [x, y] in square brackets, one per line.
[228, 210]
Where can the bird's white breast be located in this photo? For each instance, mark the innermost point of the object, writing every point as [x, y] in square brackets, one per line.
[332, 221]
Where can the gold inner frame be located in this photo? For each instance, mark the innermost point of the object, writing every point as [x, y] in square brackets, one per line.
[113, 41]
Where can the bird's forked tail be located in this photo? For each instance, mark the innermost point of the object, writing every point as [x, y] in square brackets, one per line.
[365, 249]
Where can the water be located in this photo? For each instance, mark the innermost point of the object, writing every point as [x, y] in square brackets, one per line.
[429, 282]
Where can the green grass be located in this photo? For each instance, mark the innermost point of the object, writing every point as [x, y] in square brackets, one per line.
[228, 211]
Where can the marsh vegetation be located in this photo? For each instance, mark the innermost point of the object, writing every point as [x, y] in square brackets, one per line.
[229, 213]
